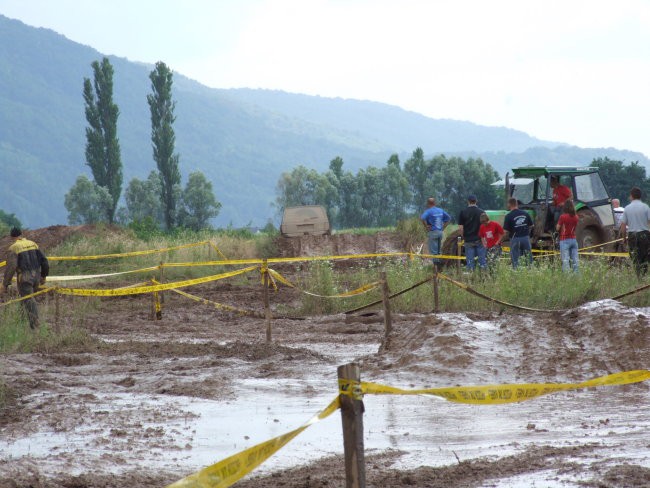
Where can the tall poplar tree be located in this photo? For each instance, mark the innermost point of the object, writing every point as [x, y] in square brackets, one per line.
[163, 139]
[102, 145]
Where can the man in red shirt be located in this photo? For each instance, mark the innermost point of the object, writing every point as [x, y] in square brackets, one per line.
[491, 234]
[561, 193]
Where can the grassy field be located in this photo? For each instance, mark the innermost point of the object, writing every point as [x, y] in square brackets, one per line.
[542, 285]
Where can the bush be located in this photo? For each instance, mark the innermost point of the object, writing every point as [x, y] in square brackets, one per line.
[412, 233]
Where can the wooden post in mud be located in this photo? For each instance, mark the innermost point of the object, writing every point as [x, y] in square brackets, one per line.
[156, 310]
[152, 312]
[161, 279]
[436, 283]
[385, 297]
[352, 418]
[267, 307]
[458, 252]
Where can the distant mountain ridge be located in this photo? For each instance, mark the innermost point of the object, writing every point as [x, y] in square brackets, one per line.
[241, 139]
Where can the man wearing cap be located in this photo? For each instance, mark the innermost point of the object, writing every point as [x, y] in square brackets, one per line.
[31, 268]
[469, 223]
[434, 220]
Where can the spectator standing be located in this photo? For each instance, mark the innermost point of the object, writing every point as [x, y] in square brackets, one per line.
[566, 226]
[518, 224]
[434, 220]
[636, 232]
[31, 268]
[491, 234]
[618, 213]
[561, 193]
[469, 223]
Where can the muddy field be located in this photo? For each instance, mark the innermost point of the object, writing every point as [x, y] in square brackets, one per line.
[151, 401]
[148, 402]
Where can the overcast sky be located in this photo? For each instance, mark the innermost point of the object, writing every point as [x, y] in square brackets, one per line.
[570, 71]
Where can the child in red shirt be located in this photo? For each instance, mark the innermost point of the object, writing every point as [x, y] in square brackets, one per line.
[566, 226]
[491, 234]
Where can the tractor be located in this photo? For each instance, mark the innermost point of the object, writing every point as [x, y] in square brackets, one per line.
[531, 187]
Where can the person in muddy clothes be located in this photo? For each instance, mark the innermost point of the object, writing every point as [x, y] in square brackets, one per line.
[518, 224]
[434, 220]
[566, 227]
[31, 268]
[491, 234]
[635, 231]
[469, 223]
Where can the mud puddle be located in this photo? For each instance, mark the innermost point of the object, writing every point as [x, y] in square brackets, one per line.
[179, 397]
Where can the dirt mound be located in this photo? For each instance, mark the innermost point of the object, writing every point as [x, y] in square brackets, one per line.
[596, 339]
[48, 238]
[339, 244]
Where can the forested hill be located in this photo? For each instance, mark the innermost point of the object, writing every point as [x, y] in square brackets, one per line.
[242, 140]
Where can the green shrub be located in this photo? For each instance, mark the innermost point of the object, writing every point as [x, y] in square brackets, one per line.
[412, 233]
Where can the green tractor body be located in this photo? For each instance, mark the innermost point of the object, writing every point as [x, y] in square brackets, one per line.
[531, 187]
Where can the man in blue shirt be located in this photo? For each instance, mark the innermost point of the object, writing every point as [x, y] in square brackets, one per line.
[435, 220]
[518, 223]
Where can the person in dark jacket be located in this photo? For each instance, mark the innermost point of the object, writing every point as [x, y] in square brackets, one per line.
[469, 223]
[31, 268]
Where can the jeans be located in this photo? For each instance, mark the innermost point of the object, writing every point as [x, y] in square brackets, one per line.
[520, 246]
[639, 244]
[569, 251]
[435, 241]
[474, 250]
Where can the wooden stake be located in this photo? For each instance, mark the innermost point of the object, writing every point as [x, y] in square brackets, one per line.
[162, 280]
[385, 297]
[352, 419]
[152, 314]
[458, 252]
[267, 307]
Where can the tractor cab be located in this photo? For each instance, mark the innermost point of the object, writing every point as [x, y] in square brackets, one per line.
[532, 188]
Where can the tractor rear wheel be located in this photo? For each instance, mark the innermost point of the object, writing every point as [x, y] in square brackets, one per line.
[588, 231]
[450, 247]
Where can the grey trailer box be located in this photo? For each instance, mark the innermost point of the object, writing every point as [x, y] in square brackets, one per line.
[308, 220]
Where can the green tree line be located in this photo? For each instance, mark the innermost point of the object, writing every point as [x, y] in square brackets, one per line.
[380, 197]
[157, 202]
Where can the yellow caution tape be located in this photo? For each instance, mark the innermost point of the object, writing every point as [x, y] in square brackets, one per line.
[26, 297]
[471, 290]
[496, 394]
[347, 294]
[105, 275]
[600, 245]
[441, 256]
[151, 288]
[257, 261]
[127, 254]
[3, 263]
[606, 254]
[228, 471]
[219, 306]
[218, 251]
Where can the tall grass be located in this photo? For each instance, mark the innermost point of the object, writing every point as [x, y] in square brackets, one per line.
[233, 244]
[17, 337]
[542, 286]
